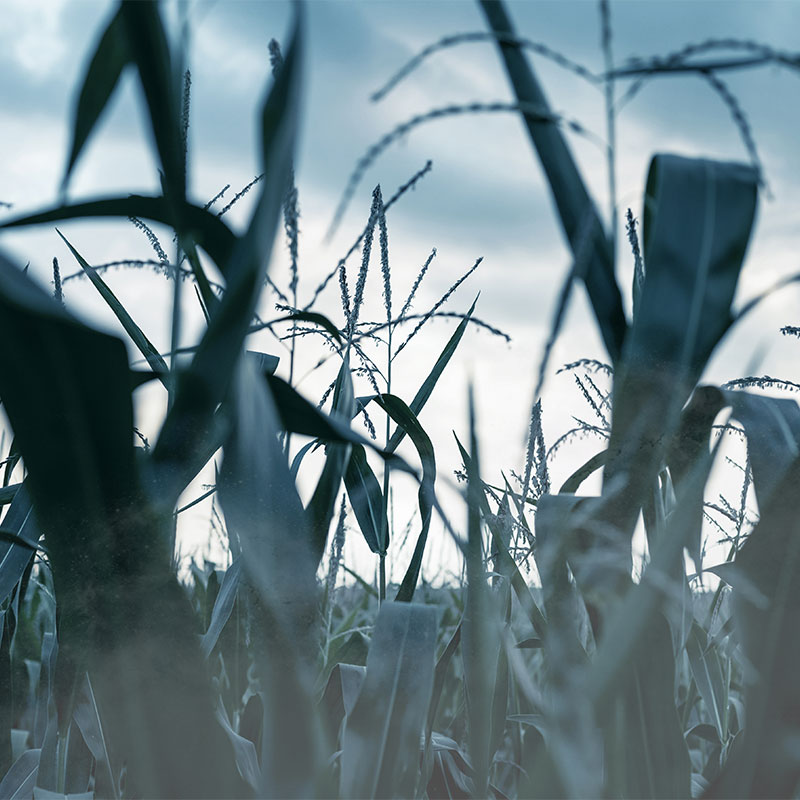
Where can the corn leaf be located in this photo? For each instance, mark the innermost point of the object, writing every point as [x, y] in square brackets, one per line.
[87, 718]
[769, 561]
[707, 671]
[102, 77]
[577, 214]
[206, 229]
[18, 782]
[479, 627]
[366, 498]
[148, 48]
[261, 504]
[407, 421]
[697, 222]
[146, 348]
[521, 588]
[203, 385]
[425, 391]
[15, 556]
[223, 606]
[321, 507]
[380, 754]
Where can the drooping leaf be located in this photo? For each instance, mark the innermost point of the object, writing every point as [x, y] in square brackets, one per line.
[646, 752]
[244, 750]
[697, 221]
[206, 229]
[66, 391]
[316, 319]
[380, 754]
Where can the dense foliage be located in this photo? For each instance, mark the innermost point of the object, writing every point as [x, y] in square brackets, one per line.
[265, 679]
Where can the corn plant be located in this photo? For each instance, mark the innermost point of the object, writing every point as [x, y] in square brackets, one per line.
[118, 679]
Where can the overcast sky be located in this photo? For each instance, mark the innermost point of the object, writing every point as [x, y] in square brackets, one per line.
[485, 195]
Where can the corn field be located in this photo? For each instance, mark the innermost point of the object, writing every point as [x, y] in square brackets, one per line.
[563, 664]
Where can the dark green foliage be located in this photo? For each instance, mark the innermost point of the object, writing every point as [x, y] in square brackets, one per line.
[574, 678]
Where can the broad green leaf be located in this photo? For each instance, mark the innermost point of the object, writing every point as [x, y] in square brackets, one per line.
[18, 782]
[697, 221]
[579, 218]
[366, 498]
[646, 752]
[102, 77]
[73, 424]
[380, 753]
[146, 348]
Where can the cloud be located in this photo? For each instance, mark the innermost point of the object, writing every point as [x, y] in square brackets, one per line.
[32, 35]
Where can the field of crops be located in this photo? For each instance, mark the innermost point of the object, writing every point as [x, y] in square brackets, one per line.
[564, 663]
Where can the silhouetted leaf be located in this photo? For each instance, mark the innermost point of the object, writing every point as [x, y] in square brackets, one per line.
[102, 77]
[577, 214]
